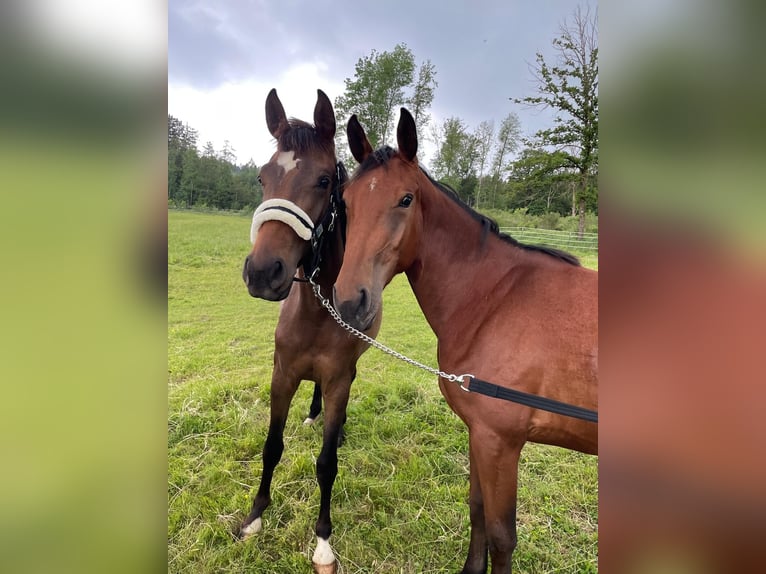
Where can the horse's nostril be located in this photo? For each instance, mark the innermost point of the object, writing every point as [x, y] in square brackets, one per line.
[364, 298]
[276, 270]
[246, 271]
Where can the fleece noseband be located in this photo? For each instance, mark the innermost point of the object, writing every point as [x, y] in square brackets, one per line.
[286, 212]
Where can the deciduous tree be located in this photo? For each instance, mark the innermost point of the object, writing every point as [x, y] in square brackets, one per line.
[507, 142]
[569, 85]
[382, 83]
[483, 135]
[456, 158]
[422, 96]
[539, 182]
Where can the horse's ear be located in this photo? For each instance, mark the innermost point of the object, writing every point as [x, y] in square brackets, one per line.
[276, 120]
[357, 140]
[407, 135]
[324, 116]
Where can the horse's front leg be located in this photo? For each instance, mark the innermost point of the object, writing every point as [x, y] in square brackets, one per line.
[282, 391]
[335, 393]
[476, 563]
[497, 463]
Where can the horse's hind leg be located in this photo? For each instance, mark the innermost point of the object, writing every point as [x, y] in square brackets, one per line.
[282, 392]
[316, 408]
[336, 400]
[316, 405]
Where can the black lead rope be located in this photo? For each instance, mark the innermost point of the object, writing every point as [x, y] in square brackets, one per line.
[529, 400]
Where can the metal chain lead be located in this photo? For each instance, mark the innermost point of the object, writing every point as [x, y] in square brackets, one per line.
[378, 345]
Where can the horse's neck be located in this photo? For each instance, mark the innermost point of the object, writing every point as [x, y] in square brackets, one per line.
[457, 264]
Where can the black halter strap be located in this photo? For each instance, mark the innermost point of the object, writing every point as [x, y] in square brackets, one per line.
[326, 225]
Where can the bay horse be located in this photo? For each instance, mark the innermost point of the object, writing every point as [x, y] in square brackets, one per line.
[300, 223]
[521, 316]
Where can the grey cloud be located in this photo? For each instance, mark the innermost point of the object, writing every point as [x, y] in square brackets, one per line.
[480, 50]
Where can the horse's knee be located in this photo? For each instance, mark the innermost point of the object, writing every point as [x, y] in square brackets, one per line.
[501, 538]
[274, 445]
[327, 465]
[476, 508]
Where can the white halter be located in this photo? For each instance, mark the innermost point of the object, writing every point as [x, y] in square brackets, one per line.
[286, 212]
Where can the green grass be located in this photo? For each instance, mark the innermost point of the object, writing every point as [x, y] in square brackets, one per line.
[400, 499]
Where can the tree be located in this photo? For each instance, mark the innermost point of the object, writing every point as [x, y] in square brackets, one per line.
[539, 182]
[181, 139]
[422, 96]
[379, 88]
[455, 161]
[208, 151]
[484, 134]
[247, 188]
[570, 87]
[190, 170]
[175, 153]
[451, 135]
[228, 153]
[212, 179]
[508, 138]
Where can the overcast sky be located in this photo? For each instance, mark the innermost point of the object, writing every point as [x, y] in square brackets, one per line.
[224, 57]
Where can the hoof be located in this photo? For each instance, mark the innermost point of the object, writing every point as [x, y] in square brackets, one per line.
[325, 568]
[324, 561]
[309, 421]
[250, 529]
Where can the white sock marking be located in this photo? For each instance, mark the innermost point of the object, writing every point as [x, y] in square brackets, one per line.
[323, 555]
[309, 421]
[286, 159]
[253, 528]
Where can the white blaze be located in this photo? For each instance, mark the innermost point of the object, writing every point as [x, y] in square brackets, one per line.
[286, 160]
[373, 183]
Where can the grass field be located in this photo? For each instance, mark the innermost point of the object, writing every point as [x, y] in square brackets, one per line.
[400, 499]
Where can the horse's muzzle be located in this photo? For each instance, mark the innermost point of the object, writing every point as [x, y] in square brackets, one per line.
[267, 279]
[358, 311]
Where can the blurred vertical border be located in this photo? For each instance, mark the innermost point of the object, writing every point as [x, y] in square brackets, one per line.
[83, 290]
[682, 297]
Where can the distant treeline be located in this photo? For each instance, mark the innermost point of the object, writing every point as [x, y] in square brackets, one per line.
[211, 179]
[534, 183]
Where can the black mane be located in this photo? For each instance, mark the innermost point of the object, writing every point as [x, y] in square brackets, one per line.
[382, 156]
[302, 137]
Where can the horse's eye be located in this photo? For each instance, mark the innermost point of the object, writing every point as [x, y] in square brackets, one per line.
[323, 182]
[406, 200]
[260, 181]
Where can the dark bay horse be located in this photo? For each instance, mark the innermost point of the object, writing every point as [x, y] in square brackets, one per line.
[300, 221]
[523, 317]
